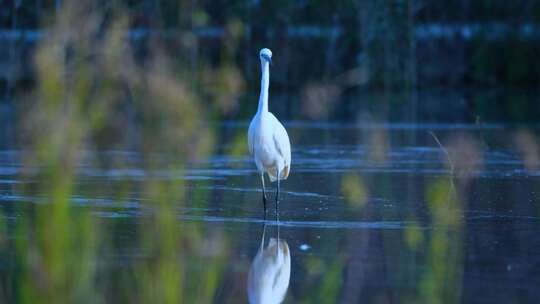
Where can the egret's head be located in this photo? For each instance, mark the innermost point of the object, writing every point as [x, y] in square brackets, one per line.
[266, 55]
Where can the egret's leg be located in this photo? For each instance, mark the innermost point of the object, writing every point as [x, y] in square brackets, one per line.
[262, 241]
[277, 205]
[264, 195]
[277, 197]
[278, 235]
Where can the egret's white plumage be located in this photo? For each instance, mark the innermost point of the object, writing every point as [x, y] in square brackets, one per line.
[270, 273]
[267, 138]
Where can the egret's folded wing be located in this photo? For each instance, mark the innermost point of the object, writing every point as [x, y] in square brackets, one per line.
[282, 144]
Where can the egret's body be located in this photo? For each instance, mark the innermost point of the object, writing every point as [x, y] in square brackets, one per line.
[270, 146]
[268, 141]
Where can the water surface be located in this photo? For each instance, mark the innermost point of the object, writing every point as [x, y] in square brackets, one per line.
[372, 213]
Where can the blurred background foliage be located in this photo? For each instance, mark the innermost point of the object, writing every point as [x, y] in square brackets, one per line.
[417, 53]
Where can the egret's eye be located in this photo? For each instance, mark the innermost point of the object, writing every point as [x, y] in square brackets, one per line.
[267, 57]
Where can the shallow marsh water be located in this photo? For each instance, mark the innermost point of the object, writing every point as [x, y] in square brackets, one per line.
[372, 213]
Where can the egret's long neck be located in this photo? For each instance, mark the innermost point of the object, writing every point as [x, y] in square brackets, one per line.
[265, 82]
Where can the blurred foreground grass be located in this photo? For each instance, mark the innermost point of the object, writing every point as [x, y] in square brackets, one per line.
[93, 92]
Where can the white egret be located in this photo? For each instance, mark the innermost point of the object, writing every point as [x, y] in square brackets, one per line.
[268, 141]
[270, 273]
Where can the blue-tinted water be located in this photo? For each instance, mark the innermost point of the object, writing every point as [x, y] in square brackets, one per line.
[371, 213]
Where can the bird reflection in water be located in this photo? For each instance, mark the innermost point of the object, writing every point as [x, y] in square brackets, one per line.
[270, 272]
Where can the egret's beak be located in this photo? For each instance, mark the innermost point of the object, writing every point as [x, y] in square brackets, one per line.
[267, 58]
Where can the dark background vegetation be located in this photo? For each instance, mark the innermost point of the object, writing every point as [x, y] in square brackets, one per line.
[432, 61]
